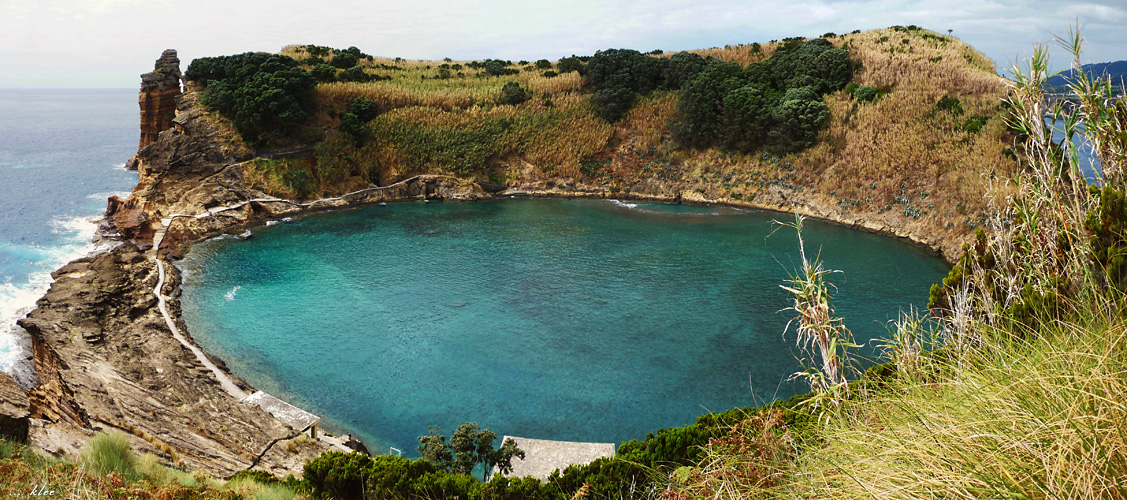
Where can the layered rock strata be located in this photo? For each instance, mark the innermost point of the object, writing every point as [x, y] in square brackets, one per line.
[107, 360]
[14, 410]
[157, 99]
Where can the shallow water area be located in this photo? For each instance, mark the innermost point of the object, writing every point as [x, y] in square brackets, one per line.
[579, 320]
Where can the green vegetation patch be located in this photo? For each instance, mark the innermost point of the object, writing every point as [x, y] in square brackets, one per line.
[266, 96]
[775, 104]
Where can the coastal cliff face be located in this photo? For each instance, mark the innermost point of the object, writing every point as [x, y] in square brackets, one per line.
[107, 360]
[157, 99]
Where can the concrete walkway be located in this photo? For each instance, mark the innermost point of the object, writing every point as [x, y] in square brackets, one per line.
[224, 380]
[291, 415]
[165, 222]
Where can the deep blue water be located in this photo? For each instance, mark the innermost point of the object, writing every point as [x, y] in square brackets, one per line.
[61, 156]
[583, 320]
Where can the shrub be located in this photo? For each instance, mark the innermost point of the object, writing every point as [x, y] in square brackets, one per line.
[299, 181]
[865, 93]
[682, 68]
[777, 102]
[797, 119]
[344, 60]
[107, 453]
[543, 64]
[512, 93]
[323, 73]
[353, 126]
[497, 67]
[364, 109]
[746, 117]
[613, 102]
[975, 123]
[950, 105]
[814, 63]
[701, 107]
[264, 95]
[340, 475]
[353, 74]
[626, 69]
[550, 74]
[569, 64]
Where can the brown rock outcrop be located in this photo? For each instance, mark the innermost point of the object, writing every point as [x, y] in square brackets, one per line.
[14, 411]
[157, 99]
[129, 219]
[107, 359]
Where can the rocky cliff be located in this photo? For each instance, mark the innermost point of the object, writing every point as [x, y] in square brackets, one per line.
[108, 361]
[159, 89]
[106, 357]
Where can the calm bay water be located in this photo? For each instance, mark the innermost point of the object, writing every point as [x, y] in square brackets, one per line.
[61, 156]
[581, 320]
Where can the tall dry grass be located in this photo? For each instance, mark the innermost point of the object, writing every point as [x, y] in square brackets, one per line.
[1043, 418]
[1006, 405]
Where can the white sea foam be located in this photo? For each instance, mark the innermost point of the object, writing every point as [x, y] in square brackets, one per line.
[623, 204]
[17, 297]
[106, 195]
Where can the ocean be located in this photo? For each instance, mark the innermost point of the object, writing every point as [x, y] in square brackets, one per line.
[62, 153]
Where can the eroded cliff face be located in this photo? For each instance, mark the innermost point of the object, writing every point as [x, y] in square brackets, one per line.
[106, 357]
[108, 361]
[157, 99]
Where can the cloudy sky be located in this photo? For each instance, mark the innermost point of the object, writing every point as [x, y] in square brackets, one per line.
[108, 43]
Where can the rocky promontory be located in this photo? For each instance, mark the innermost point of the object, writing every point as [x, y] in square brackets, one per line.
[107, 361]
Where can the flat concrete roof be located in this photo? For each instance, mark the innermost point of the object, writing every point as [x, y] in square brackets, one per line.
[542, 457]
[289, 414]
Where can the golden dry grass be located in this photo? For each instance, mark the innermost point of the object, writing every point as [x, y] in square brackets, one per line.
[896, 160]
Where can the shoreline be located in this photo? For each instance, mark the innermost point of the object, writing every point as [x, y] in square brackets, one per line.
[321, 206]
[516, 193]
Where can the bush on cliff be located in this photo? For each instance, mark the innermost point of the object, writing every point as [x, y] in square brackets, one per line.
[777, 103]
[266, 96]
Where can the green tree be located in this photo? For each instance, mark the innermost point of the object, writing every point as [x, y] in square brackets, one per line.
[569, 64]
[265, 95]
[344, 60]
[468, 447]
[354, 74]
[543, 64]
[746, 117]
[682, 68]
[365, 109]
[324, 73]
[433, 447]
[701, 107]
[797, 119]
[612, 103]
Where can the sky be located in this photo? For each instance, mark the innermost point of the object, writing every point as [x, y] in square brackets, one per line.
[109, 43]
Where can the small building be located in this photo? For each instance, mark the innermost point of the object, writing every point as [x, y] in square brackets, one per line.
[288, 414]
[542, 457]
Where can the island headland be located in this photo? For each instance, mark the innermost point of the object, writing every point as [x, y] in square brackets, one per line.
[107, 359]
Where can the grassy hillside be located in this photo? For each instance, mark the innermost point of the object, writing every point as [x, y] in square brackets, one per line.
[1020, 389]
[919, 155]
[109, 470]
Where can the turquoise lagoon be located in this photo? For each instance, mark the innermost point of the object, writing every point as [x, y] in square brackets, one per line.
[578, 320]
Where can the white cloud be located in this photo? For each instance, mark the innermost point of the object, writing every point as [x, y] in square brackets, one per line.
[110, 42]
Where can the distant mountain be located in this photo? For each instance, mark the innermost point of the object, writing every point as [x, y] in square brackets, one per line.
[1117, 70]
